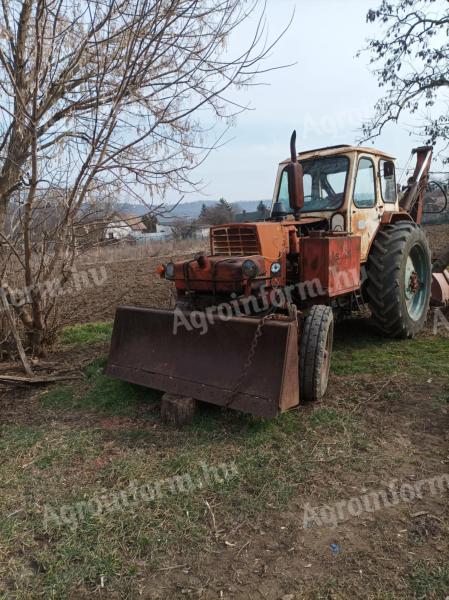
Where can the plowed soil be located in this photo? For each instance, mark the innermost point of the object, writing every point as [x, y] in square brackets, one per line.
[130, 281]
[438, 237]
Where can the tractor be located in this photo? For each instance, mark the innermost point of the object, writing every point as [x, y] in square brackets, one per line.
[253, 324]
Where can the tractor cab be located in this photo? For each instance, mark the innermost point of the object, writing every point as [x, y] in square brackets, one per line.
[348, 188]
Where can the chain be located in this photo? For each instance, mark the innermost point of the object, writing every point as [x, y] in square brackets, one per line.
[250, 357]
[171, 297]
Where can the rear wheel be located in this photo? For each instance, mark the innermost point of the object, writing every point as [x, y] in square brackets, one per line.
[399, 274]
[315, 353]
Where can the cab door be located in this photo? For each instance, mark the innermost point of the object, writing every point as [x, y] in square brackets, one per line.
[367, 207]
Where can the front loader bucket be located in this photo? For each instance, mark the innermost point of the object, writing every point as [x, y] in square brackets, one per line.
[207, 365]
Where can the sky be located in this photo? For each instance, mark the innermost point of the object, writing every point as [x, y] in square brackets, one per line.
[325, 96]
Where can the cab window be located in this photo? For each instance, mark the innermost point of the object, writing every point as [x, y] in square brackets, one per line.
[324, 183]
[283, 194]
[388, 181]
[365, 185]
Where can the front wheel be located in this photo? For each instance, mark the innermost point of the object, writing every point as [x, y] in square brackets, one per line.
[315, 351]
[399, 282]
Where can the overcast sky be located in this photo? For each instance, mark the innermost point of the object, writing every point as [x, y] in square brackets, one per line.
[324, 97]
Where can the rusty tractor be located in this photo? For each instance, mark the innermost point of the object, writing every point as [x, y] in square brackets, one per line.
[253, 324]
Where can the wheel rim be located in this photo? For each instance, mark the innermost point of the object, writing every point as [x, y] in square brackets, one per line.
[416, 277]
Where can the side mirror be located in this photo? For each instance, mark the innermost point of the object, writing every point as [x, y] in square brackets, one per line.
[295, 187]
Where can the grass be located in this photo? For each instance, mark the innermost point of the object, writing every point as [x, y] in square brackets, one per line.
[69, 466]
[430, 583]
[100, 435]
[87, 333]
[99, 393]
[359, 350]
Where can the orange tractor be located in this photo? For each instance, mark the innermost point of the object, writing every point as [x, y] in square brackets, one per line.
[253, 324]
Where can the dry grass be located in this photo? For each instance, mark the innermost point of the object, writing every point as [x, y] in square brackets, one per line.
[161, 249]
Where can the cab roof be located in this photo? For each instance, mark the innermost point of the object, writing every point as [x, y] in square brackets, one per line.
[340, 149]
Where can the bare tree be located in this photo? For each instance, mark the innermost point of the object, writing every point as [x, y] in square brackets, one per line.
[412, 63]
[104, 97]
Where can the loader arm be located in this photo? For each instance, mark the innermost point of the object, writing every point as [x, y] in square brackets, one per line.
[413, 198]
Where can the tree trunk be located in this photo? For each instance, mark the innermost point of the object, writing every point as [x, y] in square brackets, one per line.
[10, 175]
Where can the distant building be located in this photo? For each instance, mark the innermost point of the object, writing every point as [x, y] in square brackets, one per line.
[125, 226]
[131, 228]
[202, 232]
[164, 229]
[436, 209]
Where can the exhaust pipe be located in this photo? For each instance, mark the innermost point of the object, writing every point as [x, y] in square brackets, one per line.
[295, 180]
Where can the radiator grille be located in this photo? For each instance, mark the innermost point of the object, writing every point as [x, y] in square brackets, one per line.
[235, 240]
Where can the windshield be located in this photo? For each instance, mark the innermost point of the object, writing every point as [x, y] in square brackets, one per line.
[324, 184]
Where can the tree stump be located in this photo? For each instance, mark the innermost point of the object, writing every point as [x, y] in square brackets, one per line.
[177, 410]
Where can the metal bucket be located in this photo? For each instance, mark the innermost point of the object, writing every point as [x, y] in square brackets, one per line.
[207, 365]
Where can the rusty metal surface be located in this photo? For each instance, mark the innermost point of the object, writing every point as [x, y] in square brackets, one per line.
[145, 351]
[412, 200]
[332, 259]
[365, 223]
[221, 274]
[235, 240]
[440, 289]
[269, 239]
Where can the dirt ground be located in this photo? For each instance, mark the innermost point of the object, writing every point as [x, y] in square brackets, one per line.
[127, 281]
[385, 420]
[383, 424]
[438, 238]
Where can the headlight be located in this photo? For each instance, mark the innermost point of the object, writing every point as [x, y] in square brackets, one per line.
[275, 268]
[249, 268]
[170, 271]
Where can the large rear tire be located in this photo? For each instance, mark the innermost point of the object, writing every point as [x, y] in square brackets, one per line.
[399, 281]
[315, 352]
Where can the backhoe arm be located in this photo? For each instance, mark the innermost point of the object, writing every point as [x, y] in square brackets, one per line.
[412, 200]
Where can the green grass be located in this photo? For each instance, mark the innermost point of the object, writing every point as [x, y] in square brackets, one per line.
[86, 333]
[358, 350]
[15, 439]
[69, 466]
[430, 583]
[100, 393]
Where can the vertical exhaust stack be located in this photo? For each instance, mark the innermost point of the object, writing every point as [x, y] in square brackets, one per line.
[295, 180]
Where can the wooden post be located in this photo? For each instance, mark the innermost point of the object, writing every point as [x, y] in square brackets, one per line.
[177, 410]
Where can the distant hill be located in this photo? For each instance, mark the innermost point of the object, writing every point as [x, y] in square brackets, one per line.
[191, 210]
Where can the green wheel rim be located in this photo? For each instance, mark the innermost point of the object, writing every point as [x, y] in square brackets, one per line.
[416, 278]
